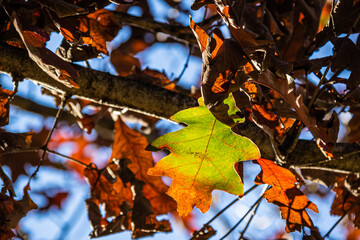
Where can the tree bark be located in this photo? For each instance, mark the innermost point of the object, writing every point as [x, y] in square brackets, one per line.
[120, 92]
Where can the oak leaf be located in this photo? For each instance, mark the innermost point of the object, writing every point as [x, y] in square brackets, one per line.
[291, 201]
[202, 159]
[98, 28]
[34, 39]
[131, 145]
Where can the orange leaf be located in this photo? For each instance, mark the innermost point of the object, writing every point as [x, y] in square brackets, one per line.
[200, 34]
[202, 38]
[131, 144]
[292, 202]
[274, 175]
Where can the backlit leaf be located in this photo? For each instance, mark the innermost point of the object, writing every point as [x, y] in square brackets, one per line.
[291, 201]
[202, 159]
[98, 28]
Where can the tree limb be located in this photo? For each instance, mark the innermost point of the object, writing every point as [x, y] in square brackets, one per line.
[120, 92]
[179, 33]
[100, 87]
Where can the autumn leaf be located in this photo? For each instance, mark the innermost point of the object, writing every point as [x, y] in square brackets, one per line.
[291, 201]
[202, 159]
[345, 199]
[14, 141]
[34, 39]
[121, 188]
[4, 105]
[123, 62]
[98, 28]
[131, 145]
[11, 211]
[286, 89]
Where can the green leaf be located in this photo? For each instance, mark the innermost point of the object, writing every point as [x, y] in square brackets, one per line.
[202, 158]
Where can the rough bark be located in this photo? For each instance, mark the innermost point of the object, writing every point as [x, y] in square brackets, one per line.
[121, 92]
[100, 87]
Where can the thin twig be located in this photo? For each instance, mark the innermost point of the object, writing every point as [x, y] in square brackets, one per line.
[342, 217]
[72, 221]
[44, 147]
[176, 80]
[21, 151]
[315, 95]
[205, 226]
[254, 205]
[70, 158]
[252, 216]
[229, 205]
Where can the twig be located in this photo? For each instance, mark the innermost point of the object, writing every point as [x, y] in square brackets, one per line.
[176, 80]
[70, 158]
[251, 217]
[44, 147]
[342, 217]
[72, 221]
[229, 205]
[254, 205]
[206, 225]
[315, 95]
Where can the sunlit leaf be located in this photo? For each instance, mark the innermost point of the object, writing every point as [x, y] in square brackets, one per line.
[291, 201]
[202, 159]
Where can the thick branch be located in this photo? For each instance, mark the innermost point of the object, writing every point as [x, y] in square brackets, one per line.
[100, 87]
[120, 92]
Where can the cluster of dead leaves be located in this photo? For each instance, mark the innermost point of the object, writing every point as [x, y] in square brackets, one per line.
[131, 197]
[11, 210]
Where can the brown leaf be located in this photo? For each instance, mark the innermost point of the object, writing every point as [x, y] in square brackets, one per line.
[291, 201]
[98, 28]
[4, 105]
[14, 141]
[11, 211]
[62, 8]
[123, 62]
[345, 200]
[286, 89]
[17, 162]
[131, 144]
[48, 61]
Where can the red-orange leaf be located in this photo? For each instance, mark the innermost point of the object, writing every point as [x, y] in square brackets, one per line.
[292, 202]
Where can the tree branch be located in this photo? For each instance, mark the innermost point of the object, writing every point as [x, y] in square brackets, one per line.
[179, 33]
[120, 92]
[100, 87]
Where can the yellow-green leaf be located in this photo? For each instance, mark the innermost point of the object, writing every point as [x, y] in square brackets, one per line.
[202, 159]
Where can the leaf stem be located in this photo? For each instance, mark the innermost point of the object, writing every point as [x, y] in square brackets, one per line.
[68, 157]
[322, 79]
[44, 147]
